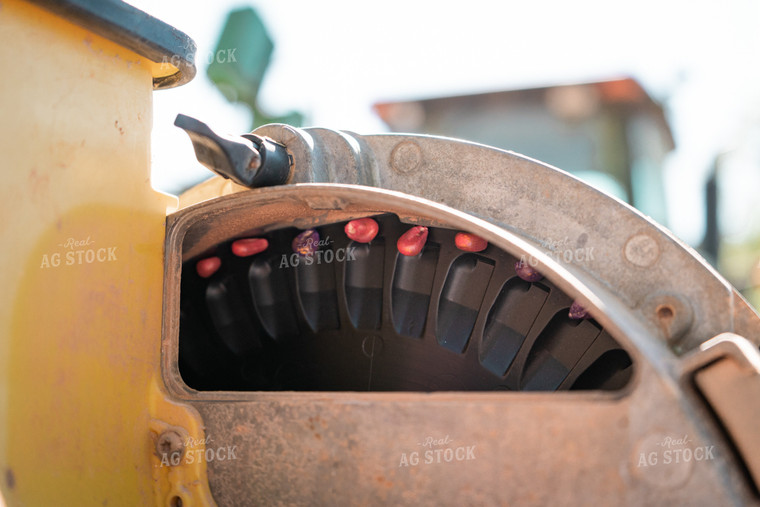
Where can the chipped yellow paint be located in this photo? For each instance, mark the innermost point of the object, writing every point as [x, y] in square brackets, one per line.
[185, 481]
[82, 274]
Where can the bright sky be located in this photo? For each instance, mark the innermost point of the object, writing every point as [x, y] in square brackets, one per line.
[334, 59]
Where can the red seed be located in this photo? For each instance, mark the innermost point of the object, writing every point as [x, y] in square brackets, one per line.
[470, 242]
[208, 267]
[306, 243]
[249, 246]
[577, 311]
[526, 271]
[362, 230]
[412, 241]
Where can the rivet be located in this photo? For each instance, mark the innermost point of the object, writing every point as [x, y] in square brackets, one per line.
[641, 250]
[406, 157]
[170, 447]
[671, 312]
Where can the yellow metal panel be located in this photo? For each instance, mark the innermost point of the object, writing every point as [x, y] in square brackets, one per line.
[82, 277]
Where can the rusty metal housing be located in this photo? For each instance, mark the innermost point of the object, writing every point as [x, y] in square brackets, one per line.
[652, 294]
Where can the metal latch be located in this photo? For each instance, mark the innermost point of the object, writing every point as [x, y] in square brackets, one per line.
[727, 374]
[249, 160]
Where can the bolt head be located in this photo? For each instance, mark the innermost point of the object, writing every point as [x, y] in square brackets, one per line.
[169, 444]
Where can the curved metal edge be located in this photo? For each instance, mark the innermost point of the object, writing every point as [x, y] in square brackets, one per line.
[616, 290]
[135, 30]
[652, 400]
[725, 371]
[541, 204]
[614, 317]
[724, 345]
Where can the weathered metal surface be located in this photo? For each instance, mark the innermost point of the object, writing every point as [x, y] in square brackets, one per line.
[633, 256]
[729, 378]
[81, 399]
[525, 449]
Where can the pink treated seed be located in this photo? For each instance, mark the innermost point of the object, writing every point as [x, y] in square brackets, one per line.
[412, 241]
[249, 246]
[526, 272]
[470, 242]
[577, 311]
[208, 266]
[306, 243]
[362, 230]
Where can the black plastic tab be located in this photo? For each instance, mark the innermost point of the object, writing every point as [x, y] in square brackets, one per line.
[248, 160]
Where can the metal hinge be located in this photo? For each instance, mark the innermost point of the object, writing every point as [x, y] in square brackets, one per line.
[726, 371]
